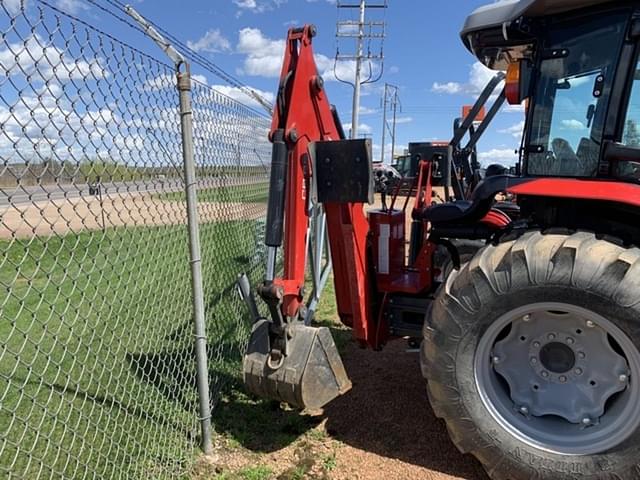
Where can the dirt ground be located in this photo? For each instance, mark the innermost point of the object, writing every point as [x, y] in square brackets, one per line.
[383, 429]
[387, 425]
[81, 213]
[61, 216]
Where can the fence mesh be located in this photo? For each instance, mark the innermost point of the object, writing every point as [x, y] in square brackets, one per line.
[97, 366]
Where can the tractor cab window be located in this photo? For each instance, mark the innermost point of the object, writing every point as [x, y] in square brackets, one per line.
[577, 65]
[631, 134]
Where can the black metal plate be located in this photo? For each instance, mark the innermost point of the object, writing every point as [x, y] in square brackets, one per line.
[343, 171]
[429, 151]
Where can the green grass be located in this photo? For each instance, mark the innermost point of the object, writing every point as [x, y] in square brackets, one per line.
[97, 373]
[250, 193]
[258, 472]
[262, 425]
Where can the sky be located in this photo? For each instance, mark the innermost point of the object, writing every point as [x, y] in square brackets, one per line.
[423, 57]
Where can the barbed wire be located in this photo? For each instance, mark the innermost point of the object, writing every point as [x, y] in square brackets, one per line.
[197, 58]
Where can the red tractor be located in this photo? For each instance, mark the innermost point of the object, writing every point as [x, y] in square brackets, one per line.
[531, 348]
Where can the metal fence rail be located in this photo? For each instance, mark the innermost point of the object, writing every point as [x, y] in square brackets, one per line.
[97, 357]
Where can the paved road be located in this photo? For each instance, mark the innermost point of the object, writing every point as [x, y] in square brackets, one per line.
[30, 194]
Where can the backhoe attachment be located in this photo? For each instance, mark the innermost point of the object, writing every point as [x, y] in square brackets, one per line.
[287, 359]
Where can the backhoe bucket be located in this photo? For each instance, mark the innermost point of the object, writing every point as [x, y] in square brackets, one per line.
[311, 374]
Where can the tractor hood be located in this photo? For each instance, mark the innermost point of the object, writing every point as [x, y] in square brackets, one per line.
[487, 35]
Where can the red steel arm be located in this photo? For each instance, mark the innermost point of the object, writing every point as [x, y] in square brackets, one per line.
[305, 115]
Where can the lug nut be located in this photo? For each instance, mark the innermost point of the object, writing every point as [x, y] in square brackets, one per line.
[623, 378]
[496, 359]
[578, 371]
[545, 374]
[590, 324]
[524, 410]
[551, 336]
[562, 378]
[534, 361]
[526, 318]
[581, 355]
[536, 344]
[586, 421]
[570, 341]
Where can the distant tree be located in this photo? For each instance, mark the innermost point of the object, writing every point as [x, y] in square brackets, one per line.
[631, 134]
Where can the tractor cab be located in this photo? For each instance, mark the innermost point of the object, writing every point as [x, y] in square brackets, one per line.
[573, 64]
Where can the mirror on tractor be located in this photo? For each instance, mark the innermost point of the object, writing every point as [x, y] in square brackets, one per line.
[518, 81]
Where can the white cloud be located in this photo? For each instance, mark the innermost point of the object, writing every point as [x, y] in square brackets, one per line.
[242, 97]
[367, 110]
[246, 4]
[363, 128]
[448, 88]
[38, 59]
[401, 120]
[514, 130]
[257, 6]
[161, 82]
[13, 6]
[200, 78]
[573, 124]
[514, 108]
[47, 122]
[263, 55]
[399, 149]
[479, 76]
[507, 157]
[168, 82]
[211, 42]
[72, 6]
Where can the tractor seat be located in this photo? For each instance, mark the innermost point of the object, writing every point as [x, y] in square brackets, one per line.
[464, 212]
[451, 212]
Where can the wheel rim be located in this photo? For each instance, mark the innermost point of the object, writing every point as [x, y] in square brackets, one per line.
[560, 378]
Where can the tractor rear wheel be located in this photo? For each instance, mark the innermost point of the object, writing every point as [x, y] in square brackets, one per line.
[532, 358]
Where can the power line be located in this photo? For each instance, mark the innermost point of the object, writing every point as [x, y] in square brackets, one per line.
[360, 30]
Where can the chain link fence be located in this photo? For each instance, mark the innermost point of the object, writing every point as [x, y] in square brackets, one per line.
[97, 359]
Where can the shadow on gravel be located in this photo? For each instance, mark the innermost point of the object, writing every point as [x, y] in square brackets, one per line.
[387, 413]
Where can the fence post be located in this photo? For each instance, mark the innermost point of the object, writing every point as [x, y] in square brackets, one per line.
[186, 124]
[186, 128]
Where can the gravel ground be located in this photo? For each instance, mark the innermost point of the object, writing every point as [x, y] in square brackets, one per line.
[387, 426]
[383, 429]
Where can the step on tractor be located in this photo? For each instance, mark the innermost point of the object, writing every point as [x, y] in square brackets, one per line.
[530, 342]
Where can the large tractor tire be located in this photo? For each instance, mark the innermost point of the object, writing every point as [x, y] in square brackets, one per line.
[531, 356]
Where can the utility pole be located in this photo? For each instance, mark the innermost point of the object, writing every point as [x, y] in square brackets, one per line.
[384, 123]
[355, 117]
[362, 31]
[392, 98]
[396, 100]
